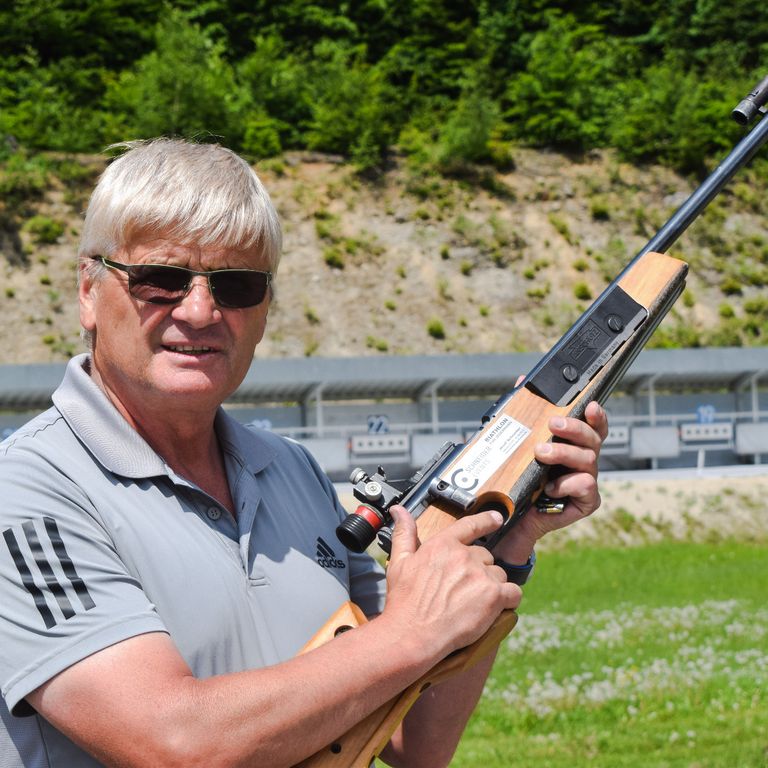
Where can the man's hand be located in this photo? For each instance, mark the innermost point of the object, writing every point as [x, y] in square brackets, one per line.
[579, 452]
[447, 588]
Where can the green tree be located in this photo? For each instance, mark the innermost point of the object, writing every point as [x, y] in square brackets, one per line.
[466, 133]
[279, 84]
[40, 112]
[674, 116]
[564, 96]
[184, 87]
[353, 108]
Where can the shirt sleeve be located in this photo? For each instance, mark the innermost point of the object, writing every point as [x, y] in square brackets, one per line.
[65, 593]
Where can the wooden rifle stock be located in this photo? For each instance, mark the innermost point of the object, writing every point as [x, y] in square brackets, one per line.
[365, 741]
[517, 480]
[496, 467]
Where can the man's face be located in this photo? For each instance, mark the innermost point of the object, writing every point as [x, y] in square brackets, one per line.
[191, 355]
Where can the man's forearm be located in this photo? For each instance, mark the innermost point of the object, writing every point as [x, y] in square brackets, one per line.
[269, 717]
[432, 729]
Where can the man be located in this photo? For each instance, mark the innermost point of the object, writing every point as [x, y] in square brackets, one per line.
[157, 570]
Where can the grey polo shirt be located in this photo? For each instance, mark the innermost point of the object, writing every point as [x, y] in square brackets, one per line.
[102, 541]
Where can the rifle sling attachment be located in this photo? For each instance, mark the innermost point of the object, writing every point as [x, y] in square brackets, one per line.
[571, 365]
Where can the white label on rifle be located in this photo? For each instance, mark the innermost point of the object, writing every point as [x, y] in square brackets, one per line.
[492, 448]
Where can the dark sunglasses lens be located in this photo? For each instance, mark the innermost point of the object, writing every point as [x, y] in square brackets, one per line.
[158, 284]
[238, 288]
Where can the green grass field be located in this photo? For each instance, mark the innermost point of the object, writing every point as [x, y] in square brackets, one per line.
[642, 656]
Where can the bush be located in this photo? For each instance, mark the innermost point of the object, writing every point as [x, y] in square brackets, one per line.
[564, 96]
[39, 104]
[261, 137]
[675, 336]
[730, 286]
[674, 115]
[757, 305]
[561, 225]
[600, 210]
[380, 345]
[44, 229]
[279, 84]
[353, 108]
[582, 291]
[22, 178]
[466, 134]
[333, 258]
[539, 292]
[727, 334]
[435, 329]
[184, 87]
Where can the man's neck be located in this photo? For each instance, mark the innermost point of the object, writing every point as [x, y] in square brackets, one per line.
[186, 440]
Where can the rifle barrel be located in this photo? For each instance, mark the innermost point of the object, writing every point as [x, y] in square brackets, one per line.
[739, 156]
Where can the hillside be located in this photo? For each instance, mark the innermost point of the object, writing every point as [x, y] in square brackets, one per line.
[416, 263]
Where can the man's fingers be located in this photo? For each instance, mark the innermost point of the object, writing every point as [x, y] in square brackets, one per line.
[472, 527]
[597, 418]
[405, 539]
[466, 530]
[581, 488]
[572, 457]
[576, 432]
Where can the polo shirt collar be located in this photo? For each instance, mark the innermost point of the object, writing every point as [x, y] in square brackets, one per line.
[243, 443]
[91, 416]
[117, 446]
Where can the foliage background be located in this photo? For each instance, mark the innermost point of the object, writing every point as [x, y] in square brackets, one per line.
[456, 79]
[458, 176]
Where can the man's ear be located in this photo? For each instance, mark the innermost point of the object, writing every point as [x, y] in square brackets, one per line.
[86, 291]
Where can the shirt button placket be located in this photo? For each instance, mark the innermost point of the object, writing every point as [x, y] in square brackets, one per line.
[213, 513]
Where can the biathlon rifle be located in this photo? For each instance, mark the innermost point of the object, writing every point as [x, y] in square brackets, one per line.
[496, 468]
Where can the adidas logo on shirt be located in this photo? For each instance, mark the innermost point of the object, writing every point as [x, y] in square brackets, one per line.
[327, 557]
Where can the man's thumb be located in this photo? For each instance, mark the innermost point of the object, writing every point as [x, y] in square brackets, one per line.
[405, 538]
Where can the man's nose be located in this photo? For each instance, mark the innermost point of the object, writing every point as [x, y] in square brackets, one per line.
[198, 307]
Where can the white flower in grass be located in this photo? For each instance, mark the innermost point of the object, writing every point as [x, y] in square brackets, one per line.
[602, 692]
[735, 629]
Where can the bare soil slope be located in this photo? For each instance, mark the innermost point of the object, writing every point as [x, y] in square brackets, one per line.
[419, 264]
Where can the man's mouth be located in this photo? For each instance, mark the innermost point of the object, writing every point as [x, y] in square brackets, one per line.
[188, 349]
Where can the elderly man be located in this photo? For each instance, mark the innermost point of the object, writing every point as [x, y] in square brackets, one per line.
[158, 569]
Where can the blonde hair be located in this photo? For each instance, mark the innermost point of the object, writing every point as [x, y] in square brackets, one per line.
[200, 194]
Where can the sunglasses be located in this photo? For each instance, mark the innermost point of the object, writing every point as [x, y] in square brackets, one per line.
[166, 284]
